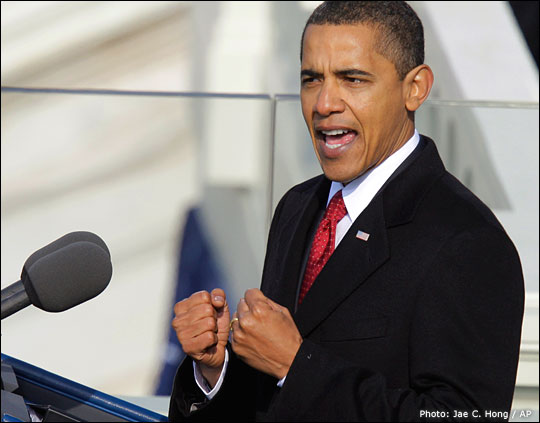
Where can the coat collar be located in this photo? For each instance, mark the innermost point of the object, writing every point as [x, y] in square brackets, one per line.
[353, 260]
[296, 231]
[406, 188]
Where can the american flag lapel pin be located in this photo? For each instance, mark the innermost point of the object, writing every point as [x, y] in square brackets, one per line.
[362, 235]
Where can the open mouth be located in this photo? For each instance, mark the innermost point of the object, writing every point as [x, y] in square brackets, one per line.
[335, 141]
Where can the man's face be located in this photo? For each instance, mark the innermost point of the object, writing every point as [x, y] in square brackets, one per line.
[352, 100]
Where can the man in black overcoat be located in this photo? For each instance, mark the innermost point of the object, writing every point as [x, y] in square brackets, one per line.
[390, 292]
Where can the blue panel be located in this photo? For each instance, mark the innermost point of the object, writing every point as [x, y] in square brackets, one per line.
[198, 269]
[81, 393]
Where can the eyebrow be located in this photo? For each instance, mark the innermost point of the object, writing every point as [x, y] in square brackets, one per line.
[344, 72]
[353, 72]
[311, 73]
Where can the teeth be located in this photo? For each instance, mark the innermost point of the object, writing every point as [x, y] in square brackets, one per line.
[335, 132]
[333, 146]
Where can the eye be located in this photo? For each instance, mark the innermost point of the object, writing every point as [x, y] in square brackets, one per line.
[308, 80]
[355, 80]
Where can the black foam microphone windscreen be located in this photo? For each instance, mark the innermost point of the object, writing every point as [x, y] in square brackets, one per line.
[67, 272]
[62, 242]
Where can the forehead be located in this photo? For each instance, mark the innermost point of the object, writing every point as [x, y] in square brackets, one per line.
[339, 44]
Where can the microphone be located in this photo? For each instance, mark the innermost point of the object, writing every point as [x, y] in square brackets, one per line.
[69, 271]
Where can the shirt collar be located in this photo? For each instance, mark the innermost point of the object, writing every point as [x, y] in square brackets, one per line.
[358, 193]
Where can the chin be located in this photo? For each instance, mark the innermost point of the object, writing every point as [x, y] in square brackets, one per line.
[341, 172]
[338, 176]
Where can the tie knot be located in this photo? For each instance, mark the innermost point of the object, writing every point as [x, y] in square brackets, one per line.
[336, 209]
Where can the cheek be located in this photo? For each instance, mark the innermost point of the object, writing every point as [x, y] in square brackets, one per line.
[361, 150]
[375, 119]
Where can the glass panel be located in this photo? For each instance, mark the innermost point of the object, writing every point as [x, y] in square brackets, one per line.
[294, 158]
[134, 169]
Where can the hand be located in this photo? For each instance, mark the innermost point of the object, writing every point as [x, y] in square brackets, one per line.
[265, 335]
[201, 323]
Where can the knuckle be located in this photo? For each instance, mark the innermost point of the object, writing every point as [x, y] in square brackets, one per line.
[177, 324]
[241, 338]
[181, 335]
[245, 326]
[208, 310]
[210, 323]
[203, 296]
[179, 307]
[258, 308]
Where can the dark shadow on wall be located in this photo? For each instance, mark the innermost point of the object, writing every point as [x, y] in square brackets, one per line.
[526, 13]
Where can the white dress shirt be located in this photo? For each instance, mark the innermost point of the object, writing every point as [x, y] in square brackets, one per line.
[357, 195]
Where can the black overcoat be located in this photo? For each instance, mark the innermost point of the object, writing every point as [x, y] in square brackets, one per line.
[423, 316]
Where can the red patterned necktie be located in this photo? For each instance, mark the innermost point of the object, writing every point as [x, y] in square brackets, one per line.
[323, 242]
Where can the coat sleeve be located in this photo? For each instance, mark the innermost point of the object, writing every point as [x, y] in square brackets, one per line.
[463, 347]
[236, 397]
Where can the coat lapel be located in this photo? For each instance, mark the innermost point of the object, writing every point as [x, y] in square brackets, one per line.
[354, 260]
[298, 223]
[349, 266]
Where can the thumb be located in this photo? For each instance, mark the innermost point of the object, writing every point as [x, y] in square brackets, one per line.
[219, 299]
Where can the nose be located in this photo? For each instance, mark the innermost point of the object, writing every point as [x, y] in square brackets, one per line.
[329, 99]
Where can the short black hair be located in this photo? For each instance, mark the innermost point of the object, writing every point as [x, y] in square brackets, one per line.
[401, 34]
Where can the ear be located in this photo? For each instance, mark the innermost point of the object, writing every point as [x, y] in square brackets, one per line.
[417, 83]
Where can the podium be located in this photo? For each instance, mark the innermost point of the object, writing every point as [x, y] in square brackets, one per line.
[30, 393]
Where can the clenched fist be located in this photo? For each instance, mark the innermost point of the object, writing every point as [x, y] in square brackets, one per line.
[265, 335]
[201, 323]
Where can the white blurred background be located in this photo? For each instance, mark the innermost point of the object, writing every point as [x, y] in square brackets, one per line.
[128, 165]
